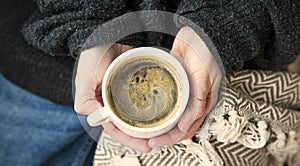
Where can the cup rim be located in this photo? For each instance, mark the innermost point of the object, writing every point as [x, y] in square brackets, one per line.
[151, 52]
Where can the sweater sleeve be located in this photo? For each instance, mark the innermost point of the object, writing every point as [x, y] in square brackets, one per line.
[61, 27]
[241, 31]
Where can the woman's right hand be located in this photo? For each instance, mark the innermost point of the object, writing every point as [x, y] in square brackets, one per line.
[91, 67]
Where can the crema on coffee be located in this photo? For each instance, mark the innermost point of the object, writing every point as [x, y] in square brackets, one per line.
[144, 92]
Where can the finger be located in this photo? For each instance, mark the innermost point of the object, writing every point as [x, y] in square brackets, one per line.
[194, 128]
[85, 100]
[87, 104]
[213, 96]
[199, 85]
[92, 65]
[199, 90]
[194, 110]
[197, 73]
[177, 135]
[125, 48]
[170, 138]
[124, 139]
[178, 47]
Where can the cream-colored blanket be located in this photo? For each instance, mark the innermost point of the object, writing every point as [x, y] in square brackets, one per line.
[256, 122]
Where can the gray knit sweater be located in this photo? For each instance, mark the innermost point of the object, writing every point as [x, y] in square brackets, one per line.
[39, 39]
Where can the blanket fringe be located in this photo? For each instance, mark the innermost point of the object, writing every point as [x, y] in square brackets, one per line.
[229, 130]
[239, 129]
[253, 136]
[204, 152]
[283, 147]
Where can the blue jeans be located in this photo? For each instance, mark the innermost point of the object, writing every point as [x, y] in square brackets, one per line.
[35, 131]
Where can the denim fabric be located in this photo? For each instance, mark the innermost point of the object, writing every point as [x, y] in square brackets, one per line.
[35, 131]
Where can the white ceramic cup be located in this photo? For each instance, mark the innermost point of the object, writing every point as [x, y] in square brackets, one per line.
[107, 114]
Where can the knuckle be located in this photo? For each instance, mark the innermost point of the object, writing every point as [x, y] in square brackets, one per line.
[78, 107]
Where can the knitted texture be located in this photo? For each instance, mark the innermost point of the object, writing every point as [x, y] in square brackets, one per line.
[61, 27]
[47, 76]
[53, 28]
[246, 34]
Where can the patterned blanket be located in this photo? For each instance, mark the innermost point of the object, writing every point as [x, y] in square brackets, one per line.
[257, 122]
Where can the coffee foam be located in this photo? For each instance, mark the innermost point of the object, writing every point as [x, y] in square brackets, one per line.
[143, 91]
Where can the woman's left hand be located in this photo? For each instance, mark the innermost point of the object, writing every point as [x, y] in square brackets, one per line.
[204, 78]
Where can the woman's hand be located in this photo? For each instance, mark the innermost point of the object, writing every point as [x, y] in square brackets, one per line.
[204, 77]
[91, 67]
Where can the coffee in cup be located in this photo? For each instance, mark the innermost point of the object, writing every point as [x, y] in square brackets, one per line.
[145, 91]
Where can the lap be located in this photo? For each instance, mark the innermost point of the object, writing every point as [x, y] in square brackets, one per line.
[35, 131]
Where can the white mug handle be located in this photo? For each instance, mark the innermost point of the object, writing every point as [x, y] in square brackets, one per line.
[98, 116]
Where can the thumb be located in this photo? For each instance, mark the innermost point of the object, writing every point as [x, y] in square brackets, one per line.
[85, 101]
[89, 76]
[92, 66]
